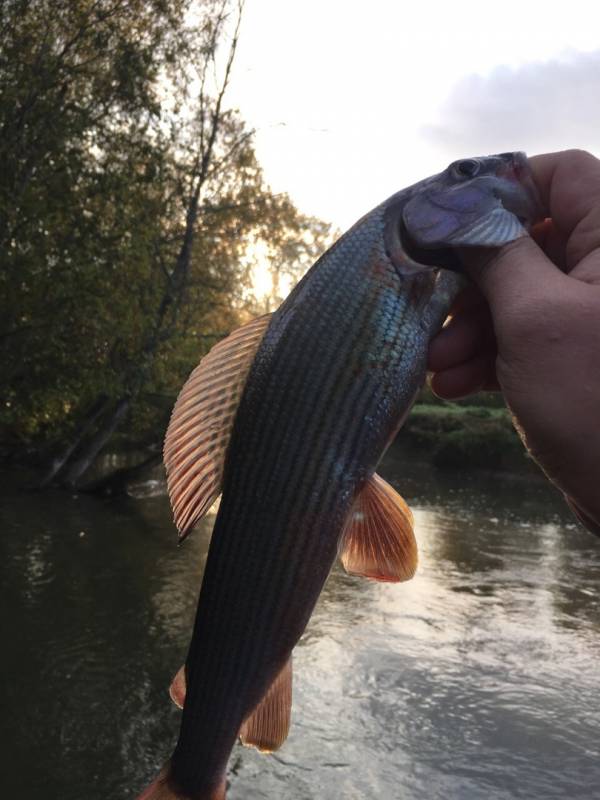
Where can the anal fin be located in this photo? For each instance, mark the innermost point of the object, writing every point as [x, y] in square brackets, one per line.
[178, 687]
[378, 541]
[267, 727]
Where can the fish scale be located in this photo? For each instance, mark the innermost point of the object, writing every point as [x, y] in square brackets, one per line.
[333, 377]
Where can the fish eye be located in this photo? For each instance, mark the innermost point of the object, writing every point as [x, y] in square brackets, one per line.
[466, 168]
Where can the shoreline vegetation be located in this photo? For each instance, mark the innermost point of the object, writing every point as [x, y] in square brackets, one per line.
[472, 433]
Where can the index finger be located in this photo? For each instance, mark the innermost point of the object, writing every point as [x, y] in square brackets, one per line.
[569, 185]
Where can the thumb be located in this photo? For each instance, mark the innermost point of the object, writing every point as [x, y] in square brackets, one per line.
[516, 273]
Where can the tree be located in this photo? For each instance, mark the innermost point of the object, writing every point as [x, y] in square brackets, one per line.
[132, 201]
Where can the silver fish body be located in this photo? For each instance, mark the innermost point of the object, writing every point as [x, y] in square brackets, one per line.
[334, 376]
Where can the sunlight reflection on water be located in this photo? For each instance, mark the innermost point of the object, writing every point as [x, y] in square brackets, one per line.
[477, 679]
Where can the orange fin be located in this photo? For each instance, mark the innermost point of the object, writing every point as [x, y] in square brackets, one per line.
[267, 726]
[201, 423]
[378, 541]
[178, 687]
[161, 789]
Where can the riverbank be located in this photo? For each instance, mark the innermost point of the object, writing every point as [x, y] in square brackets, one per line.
[474, 434]
[455, 435]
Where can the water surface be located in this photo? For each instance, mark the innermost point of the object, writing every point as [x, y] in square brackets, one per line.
[478, 679]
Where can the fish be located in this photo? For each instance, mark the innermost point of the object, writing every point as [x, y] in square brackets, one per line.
[287, 420]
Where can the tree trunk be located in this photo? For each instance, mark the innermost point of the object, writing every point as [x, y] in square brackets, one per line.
[84, 461]
[82, 430]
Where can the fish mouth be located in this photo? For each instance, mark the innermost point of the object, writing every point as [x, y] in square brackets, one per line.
[517, 190]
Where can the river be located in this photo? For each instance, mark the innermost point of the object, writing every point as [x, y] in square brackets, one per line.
[478, 679]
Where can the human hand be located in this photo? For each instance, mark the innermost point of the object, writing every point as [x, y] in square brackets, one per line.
[530, 326]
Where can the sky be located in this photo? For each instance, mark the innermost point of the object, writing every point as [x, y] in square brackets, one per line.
[353, 101]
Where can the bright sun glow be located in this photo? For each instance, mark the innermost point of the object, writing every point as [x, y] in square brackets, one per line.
[262, 283]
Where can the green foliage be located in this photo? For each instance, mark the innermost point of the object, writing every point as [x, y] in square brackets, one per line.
[130, 199]
[479, 399]
[461, 436]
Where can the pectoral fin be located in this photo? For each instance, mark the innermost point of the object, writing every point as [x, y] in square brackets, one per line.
[378, 541]
[201, 423]
[268, 725]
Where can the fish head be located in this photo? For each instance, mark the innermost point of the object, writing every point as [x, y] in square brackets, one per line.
[475, 202]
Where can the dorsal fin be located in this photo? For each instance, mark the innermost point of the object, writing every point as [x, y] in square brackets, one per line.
[378, 541]
[201, 423]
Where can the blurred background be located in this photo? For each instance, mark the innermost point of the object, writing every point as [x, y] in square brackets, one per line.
[169, 169]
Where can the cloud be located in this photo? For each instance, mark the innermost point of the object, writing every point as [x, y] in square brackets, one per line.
[537, 107]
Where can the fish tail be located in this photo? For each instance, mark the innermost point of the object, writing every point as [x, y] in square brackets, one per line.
[163, 788]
